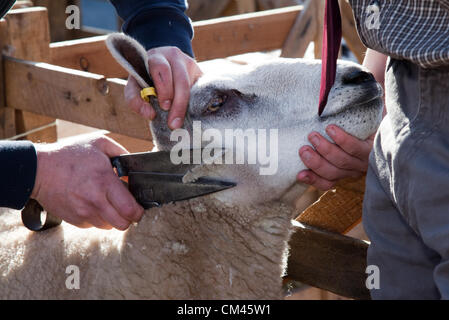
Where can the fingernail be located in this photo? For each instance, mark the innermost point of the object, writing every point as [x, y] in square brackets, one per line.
[331, 131]
[303, 178]
[306, 155]
[176, 123]
[315, 140]
[166, 105]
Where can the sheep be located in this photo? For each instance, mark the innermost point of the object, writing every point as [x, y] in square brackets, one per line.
[228, 245]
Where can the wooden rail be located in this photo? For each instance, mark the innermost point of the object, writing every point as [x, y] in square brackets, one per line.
[215, 38]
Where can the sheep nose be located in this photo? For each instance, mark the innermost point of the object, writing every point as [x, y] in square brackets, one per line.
[357, 77]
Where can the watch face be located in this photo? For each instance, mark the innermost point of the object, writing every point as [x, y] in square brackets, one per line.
[5, 5]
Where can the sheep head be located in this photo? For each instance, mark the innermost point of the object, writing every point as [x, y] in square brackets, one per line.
[270, 108]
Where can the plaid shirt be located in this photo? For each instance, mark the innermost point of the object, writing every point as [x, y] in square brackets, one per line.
[415, 30]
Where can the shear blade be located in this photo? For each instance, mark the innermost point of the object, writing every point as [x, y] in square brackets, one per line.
[161, 161]
[155, 189]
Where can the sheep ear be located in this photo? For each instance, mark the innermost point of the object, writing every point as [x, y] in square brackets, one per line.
[130, 55]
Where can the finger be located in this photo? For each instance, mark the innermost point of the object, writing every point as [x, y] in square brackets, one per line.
[310, 178]
[194, 70]
[161, 74]
[321, 166]
[335, 155]
[123, 202]
[181, 95]
[134, 100]
[355, 147]
[109, 147]
[87, 217]
[96, 221]
[111, 216]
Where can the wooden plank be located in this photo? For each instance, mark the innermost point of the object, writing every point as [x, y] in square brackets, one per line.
[28, 38]
[89, 54]
[72, 95]
[302, 33]
[216, 38]
[350, 32]
[260, 31]
[328, 261]
[206, 9]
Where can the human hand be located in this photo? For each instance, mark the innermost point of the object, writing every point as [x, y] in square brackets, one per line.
[173, 73]
[75, 182]
[329, 162]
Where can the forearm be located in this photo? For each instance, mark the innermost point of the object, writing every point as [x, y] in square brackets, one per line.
[156, 23]
[376, 63]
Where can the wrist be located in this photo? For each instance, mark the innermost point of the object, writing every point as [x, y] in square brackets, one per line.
[42, 154]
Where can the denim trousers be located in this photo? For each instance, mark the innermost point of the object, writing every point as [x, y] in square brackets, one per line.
[406, 204]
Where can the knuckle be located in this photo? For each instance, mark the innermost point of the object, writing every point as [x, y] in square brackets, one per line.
[343, 163]
[122, 226]
[128, 211]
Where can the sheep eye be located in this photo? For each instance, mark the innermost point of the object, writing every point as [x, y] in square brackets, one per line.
[216, 103]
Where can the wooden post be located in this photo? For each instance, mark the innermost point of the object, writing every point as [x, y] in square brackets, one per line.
[350, 32]
[57, 17]
[27, 37]
[318, 40]
[7, 115]
[328, 261]
[303, 32]
[206, 9]
[274, 4]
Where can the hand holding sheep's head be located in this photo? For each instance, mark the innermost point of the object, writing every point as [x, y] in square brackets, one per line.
[261, 114]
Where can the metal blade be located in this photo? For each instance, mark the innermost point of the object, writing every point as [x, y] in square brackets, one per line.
[153, 189]
[159, 161]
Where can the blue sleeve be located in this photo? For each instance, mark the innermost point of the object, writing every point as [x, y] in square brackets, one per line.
[18, 161]
[156, 23]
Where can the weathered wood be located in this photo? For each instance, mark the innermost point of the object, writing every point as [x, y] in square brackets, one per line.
[329, 261]
[245, 6]
[22, 4]
[72, 95]
[273, 4]
[89, 54]
[28, 37]
[206, 9]
[349, 31]
[251, 32]
[247, 33]
[7, 115]
[239, 7]
[318, 40]
[57, 18]
[302, 33]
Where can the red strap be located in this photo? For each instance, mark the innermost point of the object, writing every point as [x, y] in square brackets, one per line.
[331, 47]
